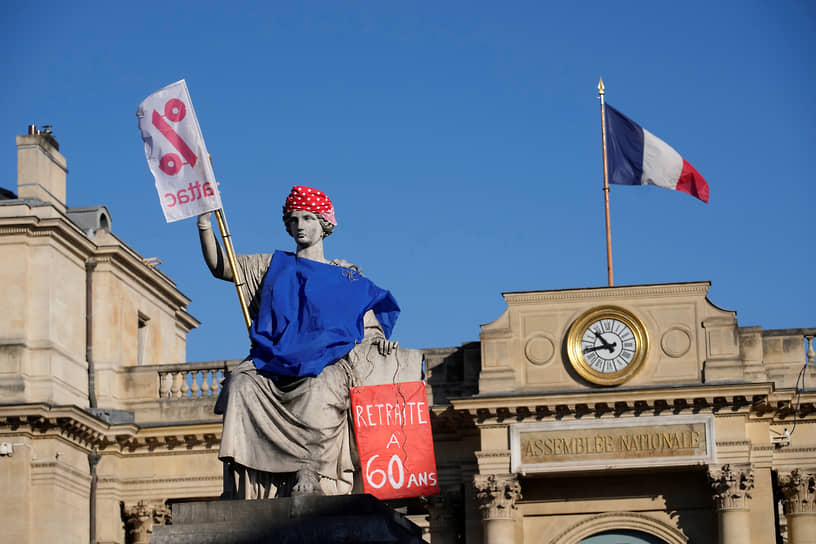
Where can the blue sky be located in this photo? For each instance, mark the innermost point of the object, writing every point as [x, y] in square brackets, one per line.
[459, 141]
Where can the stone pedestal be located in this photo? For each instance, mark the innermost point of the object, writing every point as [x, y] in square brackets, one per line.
[342, 519]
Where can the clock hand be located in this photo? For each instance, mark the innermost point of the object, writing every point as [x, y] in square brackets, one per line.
[606, 344]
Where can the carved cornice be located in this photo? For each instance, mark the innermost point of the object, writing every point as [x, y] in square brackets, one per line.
[68, 235]
[169, 439]
[497, 494]
[798, 488]
[738, 400]
[593, 294]
[153, 482]
[445, 421]
[69, 423]
[492, 454]
[731, 487]
[6, 230]
[78, 427]
[734, 444]
[782, 404]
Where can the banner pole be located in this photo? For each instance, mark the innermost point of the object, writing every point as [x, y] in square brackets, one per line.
[226, 237]
[236, 273]
[601, 93]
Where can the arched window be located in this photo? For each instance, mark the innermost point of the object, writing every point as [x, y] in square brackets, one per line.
[620, 528]
[622, 537]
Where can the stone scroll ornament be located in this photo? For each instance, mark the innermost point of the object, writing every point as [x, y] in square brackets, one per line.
[392, 428]
[176, 153]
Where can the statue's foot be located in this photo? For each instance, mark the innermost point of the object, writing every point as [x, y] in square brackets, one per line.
[307, 483]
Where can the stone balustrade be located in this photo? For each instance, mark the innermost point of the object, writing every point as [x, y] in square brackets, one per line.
[174, 382]
[191, 380]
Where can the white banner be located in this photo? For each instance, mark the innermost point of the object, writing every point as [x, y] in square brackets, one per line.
[176, 153]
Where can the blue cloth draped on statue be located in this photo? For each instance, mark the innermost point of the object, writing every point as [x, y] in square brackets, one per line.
[311, 315]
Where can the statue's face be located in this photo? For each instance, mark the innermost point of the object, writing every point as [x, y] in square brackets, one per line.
[305, 228]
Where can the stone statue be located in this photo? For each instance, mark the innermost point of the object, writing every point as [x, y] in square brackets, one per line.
[316, 326]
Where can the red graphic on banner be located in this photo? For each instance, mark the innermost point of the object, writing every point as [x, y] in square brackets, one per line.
[170, 164]
[392, 426]
[175, 110]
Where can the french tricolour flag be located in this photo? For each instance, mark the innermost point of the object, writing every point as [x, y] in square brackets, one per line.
[637, 157]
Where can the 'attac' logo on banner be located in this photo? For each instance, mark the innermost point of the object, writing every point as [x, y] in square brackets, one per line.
[176, 153]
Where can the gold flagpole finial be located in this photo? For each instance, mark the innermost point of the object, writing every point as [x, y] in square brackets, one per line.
[601, 87]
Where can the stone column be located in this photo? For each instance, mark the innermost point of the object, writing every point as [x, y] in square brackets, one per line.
[797, 489]
[140, 519]
[731, 488]
[497, 495]
[444, 513]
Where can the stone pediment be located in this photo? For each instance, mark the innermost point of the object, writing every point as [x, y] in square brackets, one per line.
[526, 349]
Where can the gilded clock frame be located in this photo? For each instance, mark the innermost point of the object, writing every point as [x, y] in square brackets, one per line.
[576, 355]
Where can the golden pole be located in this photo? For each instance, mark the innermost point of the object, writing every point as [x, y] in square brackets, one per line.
[236, 273]
[601, 93]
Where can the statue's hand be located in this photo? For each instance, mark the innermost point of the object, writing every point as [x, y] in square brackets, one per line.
[385, 347]
[345, 264]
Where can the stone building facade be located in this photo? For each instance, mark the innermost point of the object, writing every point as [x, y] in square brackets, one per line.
[557, 427]
[708, 441]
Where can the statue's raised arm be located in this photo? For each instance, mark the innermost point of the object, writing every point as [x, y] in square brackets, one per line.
[315, 324]
[213, 254]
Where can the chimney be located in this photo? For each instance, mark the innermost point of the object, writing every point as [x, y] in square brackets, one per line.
[41, 169]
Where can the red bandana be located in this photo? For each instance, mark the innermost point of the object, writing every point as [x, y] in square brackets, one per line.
[311, 200]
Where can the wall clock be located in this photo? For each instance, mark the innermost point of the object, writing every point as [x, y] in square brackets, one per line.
[607, 345]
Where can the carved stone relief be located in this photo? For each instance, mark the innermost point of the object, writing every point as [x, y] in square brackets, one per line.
[731, 487]
[797, 489]
[141, 517]
[497, 495]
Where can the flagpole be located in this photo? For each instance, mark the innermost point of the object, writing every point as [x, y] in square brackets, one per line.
[236, 272]
[601, 93]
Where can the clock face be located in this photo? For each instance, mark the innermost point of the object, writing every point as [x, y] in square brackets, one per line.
[607, 345]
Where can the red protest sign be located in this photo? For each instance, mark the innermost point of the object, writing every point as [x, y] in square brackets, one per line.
[392, 427]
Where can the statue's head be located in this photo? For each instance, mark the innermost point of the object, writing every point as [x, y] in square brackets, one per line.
[310, 200]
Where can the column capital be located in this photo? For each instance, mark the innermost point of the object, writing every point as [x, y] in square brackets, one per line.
[731, 486]
[497, 494]
[798, 489]
[142, 516]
